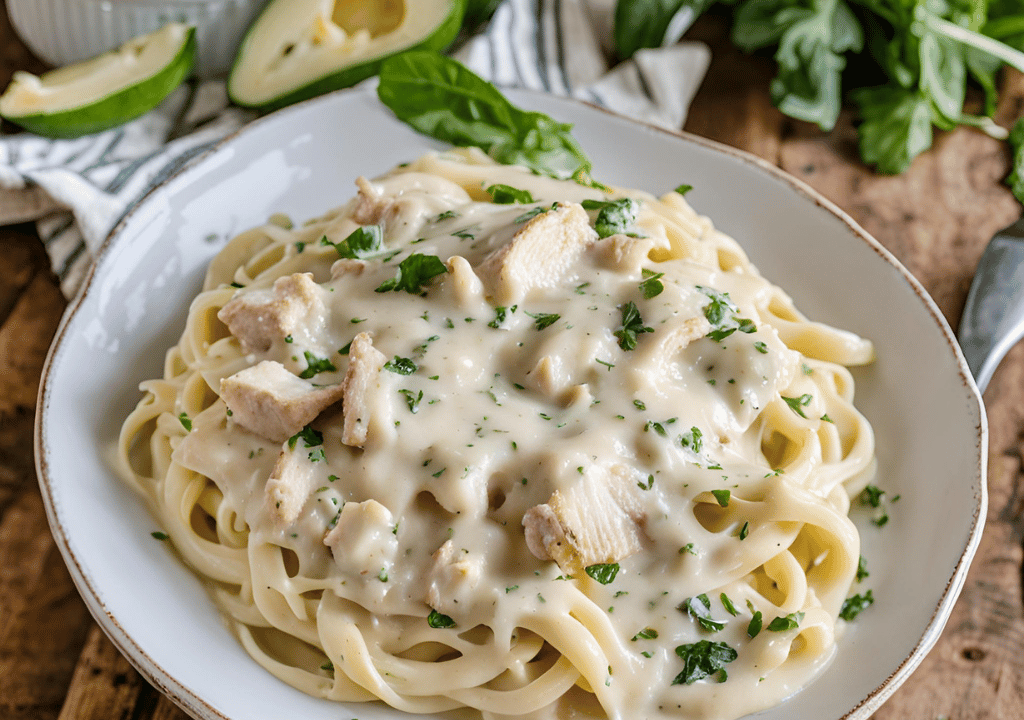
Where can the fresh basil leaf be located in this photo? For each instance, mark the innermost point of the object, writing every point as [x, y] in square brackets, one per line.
[703, 659]
[604, 573]
[363, 242]
[507, 195]
[728, 605]
[315, 365]
[896, 127]
[614, 216]
[413, 273]
[440, 97]
[855, 605]
[754, 627]
[640, 24]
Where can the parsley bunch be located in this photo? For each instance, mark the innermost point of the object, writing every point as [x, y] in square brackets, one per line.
[924, 52]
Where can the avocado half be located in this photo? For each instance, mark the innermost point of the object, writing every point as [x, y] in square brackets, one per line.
[103, 92]
[298, 49]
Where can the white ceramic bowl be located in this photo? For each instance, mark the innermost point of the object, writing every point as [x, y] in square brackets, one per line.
[926, 410]
[62, 32]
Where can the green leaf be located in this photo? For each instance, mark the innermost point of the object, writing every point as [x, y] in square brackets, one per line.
[604, 573]
[754, 627]
[441, 98]
[896, 127]
[683, 189]
[789, 622]
[862, 569]
[315, 365]
[614, 216]
[363, 242]
[722, 496]
[437, 620]
[507, 195]
[722, 315]
[642, 24]
[645, 634]
[543, 320]
[703, 659]
[728, 605]
[632, 325]
[797, 404]
[309, 437]
[413, 273]
[412, 400]
[699, 608]
[855, 605]
[651, 286]
[401, 365]
[185, 421]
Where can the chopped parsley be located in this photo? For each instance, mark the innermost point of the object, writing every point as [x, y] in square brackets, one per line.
[614, 216]
[507, 195]
[873, 496]
[699, 608]
[789, 622]
[683, 189]
[437, 620]
[309, 436]
[862, 569]
[728, 605]
[401, 365]
[315, 365]
[363, 242]
[499, 316]
[754, 628]
[412, 400]
[604, 573]
[853, 606]
[651, 285]
[721, 313]
[160, 535]
[413, 273]
[185, 422]
[722, 496]
[543, 320]
[632, 325]
[694, 440]
[645, 634]
[703, 659]
[797, 404]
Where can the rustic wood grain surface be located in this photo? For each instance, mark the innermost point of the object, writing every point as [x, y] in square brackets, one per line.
[937, 218]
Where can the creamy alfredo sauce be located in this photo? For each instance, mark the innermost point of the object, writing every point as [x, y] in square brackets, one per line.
[485, 410]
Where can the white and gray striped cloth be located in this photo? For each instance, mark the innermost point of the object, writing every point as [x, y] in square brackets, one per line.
[77, 190]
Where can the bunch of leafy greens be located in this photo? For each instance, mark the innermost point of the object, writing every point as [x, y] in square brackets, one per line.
[909, 60]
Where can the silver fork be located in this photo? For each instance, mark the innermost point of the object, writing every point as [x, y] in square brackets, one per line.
[993, 317]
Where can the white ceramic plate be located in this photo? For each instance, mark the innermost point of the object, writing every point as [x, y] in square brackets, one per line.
[926, 411]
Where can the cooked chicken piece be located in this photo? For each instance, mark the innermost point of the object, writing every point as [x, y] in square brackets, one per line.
[259, 317]
[347, 266]
[370, 206]
[363, 541]
[549, 376]
[541, 254]
[453, 577]
[596, 521]
[272, 402]
[363, 376]
[293, 480]
[671, 341]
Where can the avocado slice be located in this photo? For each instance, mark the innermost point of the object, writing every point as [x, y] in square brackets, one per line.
[105, 91]
[298, 49]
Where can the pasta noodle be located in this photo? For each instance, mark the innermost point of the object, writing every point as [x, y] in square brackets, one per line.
[484, 439]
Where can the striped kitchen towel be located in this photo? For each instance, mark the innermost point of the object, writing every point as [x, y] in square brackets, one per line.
[77, 190]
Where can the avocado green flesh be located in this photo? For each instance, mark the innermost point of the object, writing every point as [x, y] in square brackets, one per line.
[278, 66]
[118, 107]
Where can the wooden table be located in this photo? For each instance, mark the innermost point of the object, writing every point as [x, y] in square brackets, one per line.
[937, 218]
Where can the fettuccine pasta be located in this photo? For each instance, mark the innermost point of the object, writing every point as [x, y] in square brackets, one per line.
[483, 439]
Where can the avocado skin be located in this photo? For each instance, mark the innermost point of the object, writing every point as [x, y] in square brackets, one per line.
[117, 108]
[439, 40]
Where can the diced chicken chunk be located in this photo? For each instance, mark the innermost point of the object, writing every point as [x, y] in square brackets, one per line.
[259, 317]
[541, 254]
[361, 379]
[370, 206]
[272, 402]
[596, 521]
[363, 540]
[290, 484]
[453, 577]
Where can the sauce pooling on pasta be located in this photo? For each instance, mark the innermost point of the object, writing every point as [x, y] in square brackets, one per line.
[480, 438]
